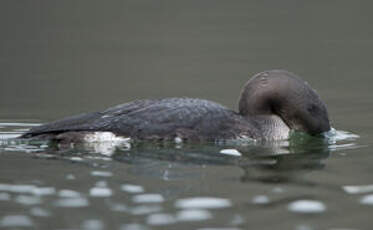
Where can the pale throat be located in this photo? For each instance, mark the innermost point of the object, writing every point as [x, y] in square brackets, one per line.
[273, 127]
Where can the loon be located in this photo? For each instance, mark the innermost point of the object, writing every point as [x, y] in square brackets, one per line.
[271, 104]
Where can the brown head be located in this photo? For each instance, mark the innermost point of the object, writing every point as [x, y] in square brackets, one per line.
[281, 93]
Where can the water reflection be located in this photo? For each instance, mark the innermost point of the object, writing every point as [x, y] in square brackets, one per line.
[174, 183]
[267, 162]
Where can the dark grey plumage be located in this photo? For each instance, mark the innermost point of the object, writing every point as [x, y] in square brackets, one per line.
[271, 103]
[188, 118]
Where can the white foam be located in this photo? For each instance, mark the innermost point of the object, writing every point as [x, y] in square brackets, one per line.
[232, 152]
[356, 189]
[307, 206]
[203, 202]
[130, 188]
[148, 198]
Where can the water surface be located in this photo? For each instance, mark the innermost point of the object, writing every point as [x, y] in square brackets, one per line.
[60, 58]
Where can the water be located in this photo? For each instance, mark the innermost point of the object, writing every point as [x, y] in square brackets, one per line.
[65, 57]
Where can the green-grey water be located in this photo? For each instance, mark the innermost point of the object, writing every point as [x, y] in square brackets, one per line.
[59, 58]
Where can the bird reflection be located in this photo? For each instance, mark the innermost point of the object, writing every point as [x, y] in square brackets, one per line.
[275, 162]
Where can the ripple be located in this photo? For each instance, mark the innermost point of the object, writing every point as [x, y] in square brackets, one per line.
[93, 224]
[16, 221]
[130, 188]
[219, 229]
[32, 189]
[145, 209]
[367, 199]
[160, 219]
[40, 212]
[72, 202]
[148, 198]
[203, 202]
[356, 189]
[193, 215]
[28, 200]
[4, 196]
[133, 227]
[68, 193]
[260, 199]
[307, 206]
[102, 173]
[70, 177]
[15, 124]
[100, 192]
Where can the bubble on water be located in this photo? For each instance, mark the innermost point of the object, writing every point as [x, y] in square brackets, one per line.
[70, 177]
[16, 221]
[356, 189]
[193, 215]
[367, 199]
[31, 189]
[93, 225]
[219, 229]
[100, 192]
[102, 173]
[307, 206]
[148, 198]
[130, 188]
[40, 212]
[160, 219]
[77, 159]
[101, 184]
[203, 202]
[4, 196]
[278, 190]
[133, 227]
[303, 227]
[72, 202]
[118, 207]
[28, 200]
[260, 199]
[145, 209]
[68, 193]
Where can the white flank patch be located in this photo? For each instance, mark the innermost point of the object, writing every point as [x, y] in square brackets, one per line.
[232, 152]
[105, 137]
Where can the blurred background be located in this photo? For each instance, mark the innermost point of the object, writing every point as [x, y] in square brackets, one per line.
[59, 58]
